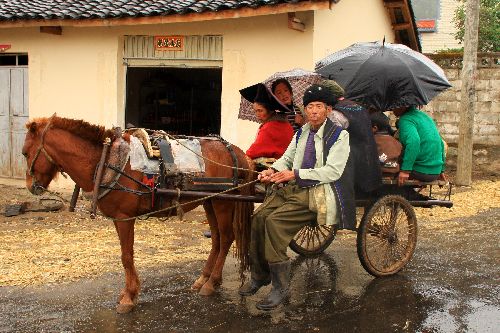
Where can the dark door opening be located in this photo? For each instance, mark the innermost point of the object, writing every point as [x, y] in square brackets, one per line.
[177, 100]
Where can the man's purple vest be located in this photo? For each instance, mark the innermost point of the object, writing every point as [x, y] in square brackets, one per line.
[343, 188]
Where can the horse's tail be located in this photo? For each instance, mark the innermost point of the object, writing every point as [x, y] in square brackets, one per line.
[242, 219]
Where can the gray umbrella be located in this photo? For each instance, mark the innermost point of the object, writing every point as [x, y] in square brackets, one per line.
[300, 80]
[384, 76]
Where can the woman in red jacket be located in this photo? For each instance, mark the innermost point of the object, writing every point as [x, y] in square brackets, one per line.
[275, 132]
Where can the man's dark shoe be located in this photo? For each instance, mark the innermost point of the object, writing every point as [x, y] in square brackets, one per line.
[280, 280]
[252, 286]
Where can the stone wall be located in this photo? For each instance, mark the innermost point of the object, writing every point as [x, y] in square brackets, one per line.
[445, 108]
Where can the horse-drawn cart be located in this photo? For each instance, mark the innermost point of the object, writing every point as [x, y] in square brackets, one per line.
[386, 233]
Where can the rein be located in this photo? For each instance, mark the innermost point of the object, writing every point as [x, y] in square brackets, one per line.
[41, 149]
[206, 158]
[150, 191]
[147, 215]
[178, 205]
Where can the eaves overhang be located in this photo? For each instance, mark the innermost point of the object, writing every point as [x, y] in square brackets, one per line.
[404, 23]
[266, 8]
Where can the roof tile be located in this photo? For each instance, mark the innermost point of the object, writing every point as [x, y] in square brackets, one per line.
[81, 9]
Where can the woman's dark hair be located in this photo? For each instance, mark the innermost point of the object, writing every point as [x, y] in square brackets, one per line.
[381, 121]
[267, 106]
[282, 80]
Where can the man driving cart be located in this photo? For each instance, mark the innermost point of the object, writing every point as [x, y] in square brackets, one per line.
[318, 186]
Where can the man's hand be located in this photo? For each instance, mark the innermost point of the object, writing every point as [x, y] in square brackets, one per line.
[282, 176]
[443, 177]
[265, 175]
[402, 177]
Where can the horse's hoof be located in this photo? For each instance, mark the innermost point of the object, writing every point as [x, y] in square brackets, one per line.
[120, 297]
[199, 283]
[206, 290]
[124, 308]
[196, 286]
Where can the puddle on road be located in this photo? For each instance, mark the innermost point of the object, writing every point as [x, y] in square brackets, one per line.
[330, 293]
[327, 295]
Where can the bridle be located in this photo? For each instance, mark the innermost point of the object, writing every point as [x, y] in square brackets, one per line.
[35, 184]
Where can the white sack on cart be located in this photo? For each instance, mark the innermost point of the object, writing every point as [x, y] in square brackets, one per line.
[187, 155]
[139, 161]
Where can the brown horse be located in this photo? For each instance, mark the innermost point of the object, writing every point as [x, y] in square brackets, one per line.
[57, 144]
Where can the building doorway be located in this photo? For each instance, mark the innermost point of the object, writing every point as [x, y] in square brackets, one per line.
[183, 101]
[13, 113]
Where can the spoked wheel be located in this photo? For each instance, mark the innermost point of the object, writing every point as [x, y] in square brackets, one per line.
[313, 239]
[387, 236]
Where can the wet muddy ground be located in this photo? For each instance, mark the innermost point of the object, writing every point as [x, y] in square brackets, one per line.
[451, 285]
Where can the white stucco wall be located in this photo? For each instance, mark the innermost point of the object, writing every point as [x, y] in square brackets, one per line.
[349, 22]
[73, 74]
[80, 74]
[268, 46]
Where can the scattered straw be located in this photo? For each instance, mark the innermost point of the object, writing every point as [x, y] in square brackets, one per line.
[44, 248]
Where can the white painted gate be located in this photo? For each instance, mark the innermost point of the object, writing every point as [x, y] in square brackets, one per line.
[13, 116]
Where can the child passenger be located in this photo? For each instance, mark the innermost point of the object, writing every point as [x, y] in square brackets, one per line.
[282, 89]
[389, 149]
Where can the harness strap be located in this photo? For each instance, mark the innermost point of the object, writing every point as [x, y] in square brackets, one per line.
[35, 182]
[98, 178]
[42, 149]
[233, 156]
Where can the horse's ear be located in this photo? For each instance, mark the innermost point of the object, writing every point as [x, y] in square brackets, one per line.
[31, 126]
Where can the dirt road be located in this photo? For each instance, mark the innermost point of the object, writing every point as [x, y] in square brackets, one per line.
[61, 272]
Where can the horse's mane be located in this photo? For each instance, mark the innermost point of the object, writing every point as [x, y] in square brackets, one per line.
[92, 133]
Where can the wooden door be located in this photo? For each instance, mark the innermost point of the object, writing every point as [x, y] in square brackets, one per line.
[13, 116]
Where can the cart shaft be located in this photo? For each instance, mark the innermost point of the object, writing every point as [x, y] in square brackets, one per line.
[198, 194]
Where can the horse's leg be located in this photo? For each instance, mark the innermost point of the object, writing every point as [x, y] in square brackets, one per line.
[128, 295]
[224, 215]
[214, 251]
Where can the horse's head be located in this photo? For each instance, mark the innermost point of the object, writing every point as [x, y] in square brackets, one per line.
[41, 168]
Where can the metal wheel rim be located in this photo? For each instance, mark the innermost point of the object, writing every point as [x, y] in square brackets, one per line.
[390, 237]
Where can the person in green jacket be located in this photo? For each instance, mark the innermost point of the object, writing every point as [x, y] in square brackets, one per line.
[424, 154]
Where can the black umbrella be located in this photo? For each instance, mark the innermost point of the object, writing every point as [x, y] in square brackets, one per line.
[384, 76]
